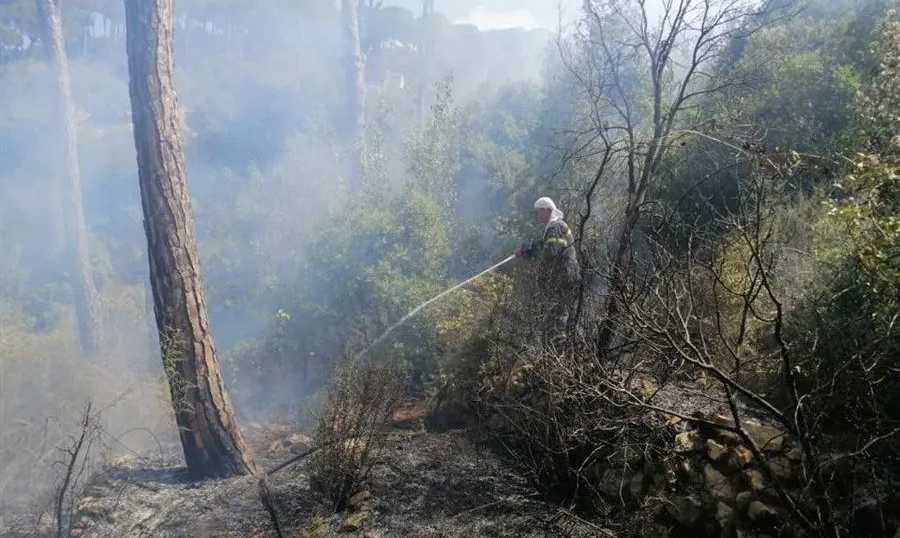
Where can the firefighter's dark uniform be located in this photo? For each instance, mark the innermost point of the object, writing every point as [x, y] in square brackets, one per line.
[558, 275]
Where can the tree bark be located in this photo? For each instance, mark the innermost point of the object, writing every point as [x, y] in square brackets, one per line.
[87, 301]
[355, 72]
[212, 443]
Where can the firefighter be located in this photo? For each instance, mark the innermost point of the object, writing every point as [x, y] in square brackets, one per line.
[558, 270]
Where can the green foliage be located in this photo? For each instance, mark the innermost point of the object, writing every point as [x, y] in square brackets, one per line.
[260, 89]
[18, 23]
[173, 346]
[843, 320]
[404, 238]
[795, 85]
[392, 252]
[868, 209]
[802, 81]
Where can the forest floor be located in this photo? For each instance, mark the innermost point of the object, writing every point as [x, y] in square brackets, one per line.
[422, 484]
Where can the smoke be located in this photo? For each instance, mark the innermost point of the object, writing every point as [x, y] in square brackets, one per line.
[262, 87]
[501, 14]
[487, 19]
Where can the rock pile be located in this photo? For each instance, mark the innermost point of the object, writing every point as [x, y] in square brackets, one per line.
[710, 485]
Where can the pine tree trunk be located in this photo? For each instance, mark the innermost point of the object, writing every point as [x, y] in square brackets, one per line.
[87, 301]
[212, 443]
[355, 71]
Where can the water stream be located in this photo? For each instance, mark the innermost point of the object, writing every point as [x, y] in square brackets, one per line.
[437, 297]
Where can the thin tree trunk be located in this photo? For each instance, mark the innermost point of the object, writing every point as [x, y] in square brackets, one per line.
[87, 301]
[212, 443]
[425, 40]
[355, 71]
[619, 268]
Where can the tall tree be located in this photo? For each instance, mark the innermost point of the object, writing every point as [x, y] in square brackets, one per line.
[87, 302]
[212, 443]
[642, 80]
[425, 44]
[355, 71]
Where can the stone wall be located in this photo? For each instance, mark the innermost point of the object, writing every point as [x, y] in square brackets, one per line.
[710, 484]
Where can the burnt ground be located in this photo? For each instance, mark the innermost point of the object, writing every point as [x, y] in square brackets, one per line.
[422, 484]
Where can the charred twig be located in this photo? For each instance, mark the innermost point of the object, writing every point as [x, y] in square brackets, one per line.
[73, 455]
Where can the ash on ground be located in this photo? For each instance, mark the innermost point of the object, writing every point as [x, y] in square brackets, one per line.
[422, 484]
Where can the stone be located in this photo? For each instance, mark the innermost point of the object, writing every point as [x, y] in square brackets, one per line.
[729, 437]
[726, 518]
[724, 514]
[755, 480]
[675, 424]
[685, 510]
[717, 483]
[740, 457]
[770, 495]
[298, 443]
[781, 468]
[760, 513]
[359, 499]
[647, 388]
[722, 420]
[714, 451]
[354, 521]
[688, 441]
[743, 500]
[767, 437]
[688, 472]
[795, 454]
